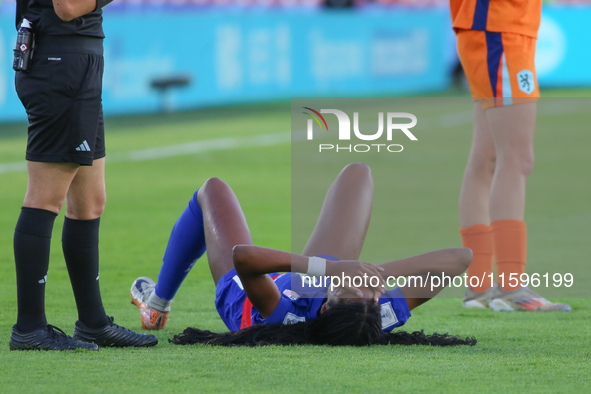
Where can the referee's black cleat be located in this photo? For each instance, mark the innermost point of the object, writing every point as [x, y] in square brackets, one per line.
[113, 335]
[47, 338]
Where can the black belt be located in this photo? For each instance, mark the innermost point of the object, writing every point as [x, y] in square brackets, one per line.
[49, 45]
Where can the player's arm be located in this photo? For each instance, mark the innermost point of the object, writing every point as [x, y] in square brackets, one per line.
[254, 263]
[451, 262]
[68, 10]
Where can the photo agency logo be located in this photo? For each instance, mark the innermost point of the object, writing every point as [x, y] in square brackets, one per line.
[395, 122]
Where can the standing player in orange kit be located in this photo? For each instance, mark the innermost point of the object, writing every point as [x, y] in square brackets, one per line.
[496, 45]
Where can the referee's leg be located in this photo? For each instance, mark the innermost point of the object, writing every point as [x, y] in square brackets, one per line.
[87, 194]
[80, 238]
[47, 188]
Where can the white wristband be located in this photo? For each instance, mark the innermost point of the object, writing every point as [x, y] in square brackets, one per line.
[316, 266]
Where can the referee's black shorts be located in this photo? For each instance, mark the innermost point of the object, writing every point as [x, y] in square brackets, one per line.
[62, 96]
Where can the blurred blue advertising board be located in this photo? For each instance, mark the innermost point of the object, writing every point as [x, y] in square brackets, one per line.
[563, 52]
[256, 56]
[261, 55]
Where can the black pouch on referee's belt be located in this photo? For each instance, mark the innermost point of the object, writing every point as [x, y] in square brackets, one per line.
[23, 52]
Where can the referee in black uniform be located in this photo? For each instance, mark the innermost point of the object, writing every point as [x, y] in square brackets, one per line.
[61, 92]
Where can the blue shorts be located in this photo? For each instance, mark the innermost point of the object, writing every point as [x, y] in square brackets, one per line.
[229, 299]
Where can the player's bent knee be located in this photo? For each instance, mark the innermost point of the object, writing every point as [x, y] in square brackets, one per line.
[357, 169]
[357, 172]
[212, 186]
[465, 256]
[459, 259]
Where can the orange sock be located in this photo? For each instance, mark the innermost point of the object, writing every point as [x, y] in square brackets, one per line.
[479, 239]
[510, 246]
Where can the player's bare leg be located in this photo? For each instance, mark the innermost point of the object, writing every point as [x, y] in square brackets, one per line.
[512, 128]
[342, 225]
[474, 208]
[212, 221]
[450, 262]
[478, 176]
[225, 225]
[344, 218]
[500, 161]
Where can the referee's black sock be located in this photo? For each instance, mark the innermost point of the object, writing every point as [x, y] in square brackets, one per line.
[80, 239]
[32, 240]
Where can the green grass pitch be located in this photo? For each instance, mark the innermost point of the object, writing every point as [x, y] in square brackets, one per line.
[545, 352]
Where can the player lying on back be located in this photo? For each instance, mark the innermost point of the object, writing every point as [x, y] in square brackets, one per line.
[261, 307]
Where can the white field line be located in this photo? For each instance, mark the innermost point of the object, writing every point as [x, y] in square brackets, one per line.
[16, 166]
[180, 150]
[442, 122]
[205, 146]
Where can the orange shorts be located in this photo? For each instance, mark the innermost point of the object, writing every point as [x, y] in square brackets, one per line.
[499, 67]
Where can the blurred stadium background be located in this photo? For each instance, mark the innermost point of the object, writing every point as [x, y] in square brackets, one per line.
[186, 54]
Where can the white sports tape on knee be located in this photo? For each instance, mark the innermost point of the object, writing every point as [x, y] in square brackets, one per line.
[316, 266]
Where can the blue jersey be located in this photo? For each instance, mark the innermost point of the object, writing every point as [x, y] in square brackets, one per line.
[296, 304]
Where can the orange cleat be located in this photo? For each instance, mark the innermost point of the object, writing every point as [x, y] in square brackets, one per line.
[152, 319]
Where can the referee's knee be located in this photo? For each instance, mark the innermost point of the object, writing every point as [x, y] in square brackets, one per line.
[91, 208]
[50, 202]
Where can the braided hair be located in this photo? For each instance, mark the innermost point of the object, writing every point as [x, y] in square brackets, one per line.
[344, 324]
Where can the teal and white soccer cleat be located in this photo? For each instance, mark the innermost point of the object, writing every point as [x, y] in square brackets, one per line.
[523, 299]
[152, 318]
[473, 299]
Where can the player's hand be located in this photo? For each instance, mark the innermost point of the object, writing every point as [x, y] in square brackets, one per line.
[356, 269]
[366, 293]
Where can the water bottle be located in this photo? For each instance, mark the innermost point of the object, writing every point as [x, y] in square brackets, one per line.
[24, 47]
